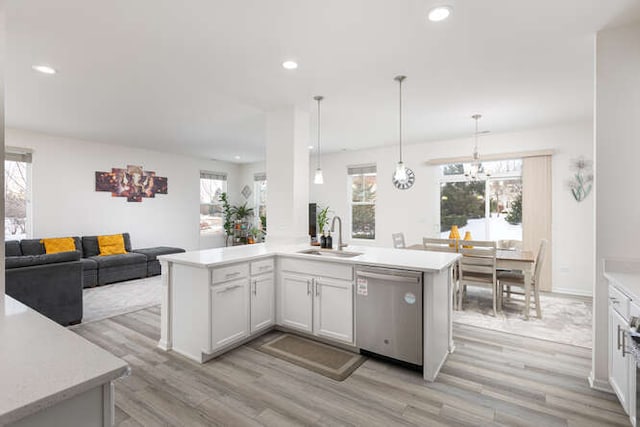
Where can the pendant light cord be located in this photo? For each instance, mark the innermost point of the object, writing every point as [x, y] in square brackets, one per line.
[318, 98]
[400, 98]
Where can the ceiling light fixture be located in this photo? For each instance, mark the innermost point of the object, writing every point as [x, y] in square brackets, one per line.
[45, 69]
[318, 178]
[403, 177]
[290, 65]
[439, 13]
[237, 157]
[474, 170]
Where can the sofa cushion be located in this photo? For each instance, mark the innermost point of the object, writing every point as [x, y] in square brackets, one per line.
[91, 248]
[153, 253]
[89, 264]
[111, 245]
[32, 247]
[118, 260]
[59, 244]
[12, 248]
[31, 260]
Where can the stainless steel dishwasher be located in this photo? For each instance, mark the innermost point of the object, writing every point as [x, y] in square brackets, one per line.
[389, 313]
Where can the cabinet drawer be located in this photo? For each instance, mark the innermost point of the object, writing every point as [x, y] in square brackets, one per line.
[330, 269]
[619, 301]
[231, 272]
[262, 266]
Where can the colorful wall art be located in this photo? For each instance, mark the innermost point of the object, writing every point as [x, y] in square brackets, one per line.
[132, 183]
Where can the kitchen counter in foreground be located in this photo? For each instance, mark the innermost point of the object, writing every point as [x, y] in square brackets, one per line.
[51, 376]
[217, 299]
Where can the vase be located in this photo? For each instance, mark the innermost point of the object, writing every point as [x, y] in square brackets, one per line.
[467, 237]
[454, 235]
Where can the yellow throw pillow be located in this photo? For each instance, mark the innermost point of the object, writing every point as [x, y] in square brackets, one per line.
[111, 245]
[60, 244]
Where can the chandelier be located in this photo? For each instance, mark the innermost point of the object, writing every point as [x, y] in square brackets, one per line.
[474, 170]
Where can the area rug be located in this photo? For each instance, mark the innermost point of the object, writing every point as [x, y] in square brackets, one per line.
[323, 359]
[107, 301]
[565, 319]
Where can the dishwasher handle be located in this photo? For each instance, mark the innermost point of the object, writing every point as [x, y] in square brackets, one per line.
[388, 277]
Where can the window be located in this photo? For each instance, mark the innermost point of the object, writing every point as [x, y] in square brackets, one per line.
[17, 195]
[212, 185]
[490, 208]
[362, 181]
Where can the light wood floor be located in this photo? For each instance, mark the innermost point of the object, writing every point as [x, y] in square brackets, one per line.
[491, 379]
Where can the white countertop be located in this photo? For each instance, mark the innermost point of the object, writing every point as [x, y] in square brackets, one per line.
[42, 363]
[625, 274]
[383, 257]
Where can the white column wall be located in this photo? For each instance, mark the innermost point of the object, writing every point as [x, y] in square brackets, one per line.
[287, 170]
[617, 150]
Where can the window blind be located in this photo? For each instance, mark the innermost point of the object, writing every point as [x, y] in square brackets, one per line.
[17, 157]
[260, 176]
[213, 175]
[362, 169]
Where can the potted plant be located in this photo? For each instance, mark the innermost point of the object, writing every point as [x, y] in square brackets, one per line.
[322, 220]
[254, 235]
[228, 217]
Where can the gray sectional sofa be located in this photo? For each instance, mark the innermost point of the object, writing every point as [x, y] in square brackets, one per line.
[52, 283]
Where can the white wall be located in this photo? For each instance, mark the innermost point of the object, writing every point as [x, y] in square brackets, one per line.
[617, 151]
[65, 201]
[415, 212]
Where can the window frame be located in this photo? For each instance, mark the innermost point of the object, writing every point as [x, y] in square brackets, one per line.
[361, 170]
[214, 176]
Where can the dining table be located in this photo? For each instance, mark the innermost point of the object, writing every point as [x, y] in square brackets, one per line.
[511, 259]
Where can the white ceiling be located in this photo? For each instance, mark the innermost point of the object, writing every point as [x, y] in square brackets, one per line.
[196, 77]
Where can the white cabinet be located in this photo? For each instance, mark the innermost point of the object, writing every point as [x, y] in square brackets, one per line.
[229, 313]
[262, 302]
[621, 365]
[333, 309]
[320, 303]
[296, 302]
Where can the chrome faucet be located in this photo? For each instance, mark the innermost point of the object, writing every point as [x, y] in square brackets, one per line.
[333, 230]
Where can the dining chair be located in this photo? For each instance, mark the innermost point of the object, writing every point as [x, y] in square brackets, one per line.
[477, 267]
[510, 244]
[398, 240]
[513, 278]
[445, 245]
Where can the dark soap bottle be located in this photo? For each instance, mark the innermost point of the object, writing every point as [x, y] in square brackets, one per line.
[329, 241]
[323, 241]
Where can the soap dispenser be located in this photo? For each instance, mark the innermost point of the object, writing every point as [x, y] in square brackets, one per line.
[329, 241]
[323, 240]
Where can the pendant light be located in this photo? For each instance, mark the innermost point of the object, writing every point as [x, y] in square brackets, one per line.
[403, 177]
[473, 171]
[318, 178]
[400, 174]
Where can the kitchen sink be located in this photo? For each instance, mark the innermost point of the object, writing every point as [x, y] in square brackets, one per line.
[330, 253]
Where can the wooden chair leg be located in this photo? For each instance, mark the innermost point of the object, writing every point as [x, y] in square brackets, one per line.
[495, 298]
[536, 295]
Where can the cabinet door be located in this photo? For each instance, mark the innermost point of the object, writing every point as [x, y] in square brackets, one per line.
[333, 309]
[619, 366]
[296, 302]
[262, 302]
[229, 313]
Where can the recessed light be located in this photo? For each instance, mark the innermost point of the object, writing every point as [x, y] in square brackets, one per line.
[311, 147]
[290, 65]
[237, 157]
[44, 69]
[439, 13]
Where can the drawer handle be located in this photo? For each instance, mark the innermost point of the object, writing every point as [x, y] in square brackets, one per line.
[229, 288]
[255, 287]
[230, 275]
[619, 337]
[315, 282]
[624, 344]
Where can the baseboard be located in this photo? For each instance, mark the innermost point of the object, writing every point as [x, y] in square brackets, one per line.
[573, 292]
[600, 385]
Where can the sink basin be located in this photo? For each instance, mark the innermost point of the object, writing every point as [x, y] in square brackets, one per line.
[331, 253]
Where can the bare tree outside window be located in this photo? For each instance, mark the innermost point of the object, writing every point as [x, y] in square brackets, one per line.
[211, 215]
[15, 198]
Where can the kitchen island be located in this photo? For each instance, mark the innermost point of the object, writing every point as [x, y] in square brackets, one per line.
[214, 300]
[50, 376]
